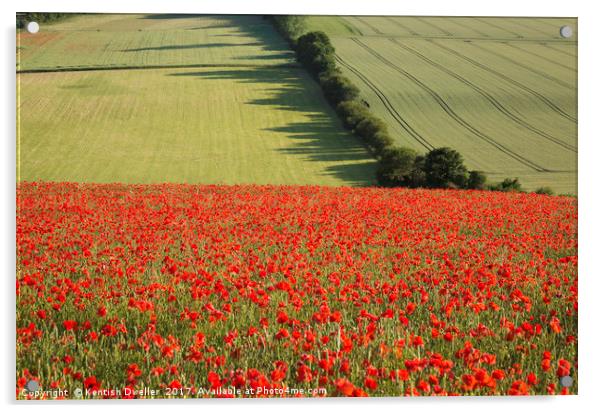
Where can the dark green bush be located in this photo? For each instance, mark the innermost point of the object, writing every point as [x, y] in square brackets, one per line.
[476, 180]
[418, 176]
[352, 112]
[290, 27]
[24, 18]
[396, 166]
[444, 168]
[544, 190]
[369, 126]
[316, 52]
[507, 185]
[378, 142]
[337, 88]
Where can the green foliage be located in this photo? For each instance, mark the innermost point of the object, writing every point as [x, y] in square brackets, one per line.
[316, 52]
[507, 185]
[24, 18]
[544, 190]
[396, 167]
[476, 180]
[444, 168]
[351, 112]
[338, 88]
[369, 126]
[290, 27]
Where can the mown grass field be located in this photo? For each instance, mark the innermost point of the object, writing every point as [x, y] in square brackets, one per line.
[240, 117]
[501, 91]
[147, 40]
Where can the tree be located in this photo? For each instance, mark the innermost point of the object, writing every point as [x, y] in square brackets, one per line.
[351, 113]
[507, 185]
[544, 190]
[444, 168]
[476, 180]
[316, 52]
[369, 126]
[291, 27]
[418, 176]
[337, 88]
[396, 166]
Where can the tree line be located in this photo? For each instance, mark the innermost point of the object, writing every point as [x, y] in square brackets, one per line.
[24, 18]
[398, 165]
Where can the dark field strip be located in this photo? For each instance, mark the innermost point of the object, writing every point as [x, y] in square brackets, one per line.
[190, 66]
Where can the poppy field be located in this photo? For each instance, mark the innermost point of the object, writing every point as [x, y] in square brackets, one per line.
[175, 290]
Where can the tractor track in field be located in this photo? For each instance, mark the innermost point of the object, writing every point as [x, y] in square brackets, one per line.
[403, 26]
[370, 25]
[518, 23]
[547, 59]
[508, 79]
[452, 114]
[497, 104]
[388, 105]
[518, 35]
[434, 26]
[526, 67]
[480, 33]
[352, 26]
[559, 51]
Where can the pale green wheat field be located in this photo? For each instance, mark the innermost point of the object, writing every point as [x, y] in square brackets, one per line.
[244, 112]
[502, 91]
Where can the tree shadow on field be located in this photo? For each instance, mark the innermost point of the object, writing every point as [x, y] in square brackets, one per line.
[320, 138]
[191, 46]
[258, 30]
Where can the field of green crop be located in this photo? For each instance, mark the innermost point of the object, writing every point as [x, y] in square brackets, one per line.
[152, 40]
[502, 91]
[245, 114]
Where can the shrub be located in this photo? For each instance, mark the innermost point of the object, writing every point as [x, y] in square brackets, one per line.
[444, 168]
[418, 176]
[476, 180]
[544, 190]
[24, 18]
[396, 166]
[369, 126]
[507, 185]
[351, 112]
[337, 88]
[378, 142]
[290, 27]
[316, 52]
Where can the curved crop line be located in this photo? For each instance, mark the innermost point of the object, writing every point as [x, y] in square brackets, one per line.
[508, 79]
[520, 36]
[390, 108]
[370, 25]
[480, 33]
[559, 51]
[353, 26]
[461, 121]
[526, 67]
[428, 23]
[403, 26]
[547, 59]
[517, 22]
[499, 106]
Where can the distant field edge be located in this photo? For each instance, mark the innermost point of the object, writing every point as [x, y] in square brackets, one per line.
[139, 67]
